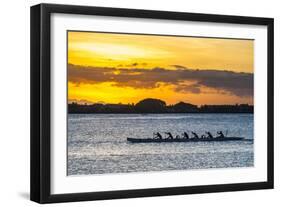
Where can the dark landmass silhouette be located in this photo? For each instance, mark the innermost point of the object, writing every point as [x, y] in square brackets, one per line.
[151, 105]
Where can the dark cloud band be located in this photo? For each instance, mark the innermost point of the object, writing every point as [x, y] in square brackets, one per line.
[239, 84]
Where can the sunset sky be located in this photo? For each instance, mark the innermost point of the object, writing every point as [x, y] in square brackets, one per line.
[126, 68]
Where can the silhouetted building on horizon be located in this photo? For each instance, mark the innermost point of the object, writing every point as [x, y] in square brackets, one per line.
[237, 108]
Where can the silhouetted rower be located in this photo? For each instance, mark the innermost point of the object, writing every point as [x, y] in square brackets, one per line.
[170, 136]
[157, 136]
[185, 135]
[221, 135]
[195, 135]
[209, 135]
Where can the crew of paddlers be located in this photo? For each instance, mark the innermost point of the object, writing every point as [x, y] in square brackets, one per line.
[185, 135]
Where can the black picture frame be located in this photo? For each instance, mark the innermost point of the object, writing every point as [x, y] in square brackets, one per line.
[40, 184]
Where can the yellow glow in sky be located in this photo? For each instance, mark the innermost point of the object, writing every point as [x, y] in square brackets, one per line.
[106, 93]
[111, 50]
[108, 50]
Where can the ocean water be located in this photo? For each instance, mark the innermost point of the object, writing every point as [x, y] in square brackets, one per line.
[97, 143]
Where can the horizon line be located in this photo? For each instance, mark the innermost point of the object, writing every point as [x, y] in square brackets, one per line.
[86, 102]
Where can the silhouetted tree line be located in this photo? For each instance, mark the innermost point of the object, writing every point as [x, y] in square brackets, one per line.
[150, 105]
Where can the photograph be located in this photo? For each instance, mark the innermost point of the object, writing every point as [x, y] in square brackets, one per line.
[132, 103]
[150, 102]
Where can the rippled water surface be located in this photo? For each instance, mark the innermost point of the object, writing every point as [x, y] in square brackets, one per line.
[97, 143]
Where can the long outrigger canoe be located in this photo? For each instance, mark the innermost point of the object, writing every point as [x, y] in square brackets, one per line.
[145, 140]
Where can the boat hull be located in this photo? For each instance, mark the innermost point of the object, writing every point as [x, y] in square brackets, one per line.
[148, 140]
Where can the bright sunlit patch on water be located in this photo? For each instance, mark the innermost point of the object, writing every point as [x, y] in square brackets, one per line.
[97, 143]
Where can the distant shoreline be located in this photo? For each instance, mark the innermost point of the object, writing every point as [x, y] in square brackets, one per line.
[157, 106]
